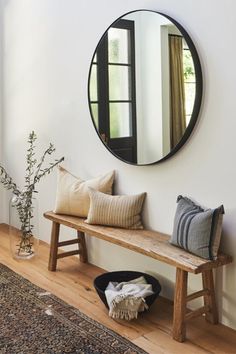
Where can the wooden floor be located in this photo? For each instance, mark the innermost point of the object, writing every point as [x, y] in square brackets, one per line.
[73, 282]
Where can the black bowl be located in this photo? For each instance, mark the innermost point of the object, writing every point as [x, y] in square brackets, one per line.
[101, 282]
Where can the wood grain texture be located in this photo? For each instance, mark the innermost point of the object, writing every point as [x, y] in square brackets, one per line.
[180, 302]
[52, 265]
[198, 294]
[151, 330]
[150, 243]
[69, 242]
[67, 254]
[200, 311]
[209, 299]
[83, 248]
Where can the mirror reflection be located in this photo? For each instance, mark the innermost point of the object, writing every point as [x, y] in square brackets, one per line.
[142, 87]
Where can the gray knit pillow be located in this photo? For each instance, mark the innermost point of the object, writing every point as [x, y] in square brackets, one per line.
[197, 230]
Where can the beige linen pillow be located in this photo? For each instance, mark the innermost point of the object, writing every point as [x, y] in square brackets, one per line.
[117, 210]
[72, 196]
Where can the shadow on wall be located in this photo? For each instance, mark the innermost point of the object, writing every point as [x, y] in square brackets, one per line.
[225, 302]
[167, 286]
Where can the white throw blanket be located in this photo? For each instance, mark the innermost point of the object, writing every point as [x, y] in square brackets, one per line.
[126, 299]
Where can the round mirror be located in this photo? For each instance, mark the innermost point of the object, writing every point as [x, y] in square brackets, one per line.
[145, 87]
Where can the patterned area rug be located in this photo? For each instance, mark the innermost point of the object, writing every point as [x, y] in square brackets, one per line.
[33, 321]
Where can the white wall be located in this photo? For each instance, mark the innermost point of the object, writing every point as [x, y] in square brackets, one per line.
[148, 66]
[152, 92]
[2, 194]
[1, 68]
[48, 47]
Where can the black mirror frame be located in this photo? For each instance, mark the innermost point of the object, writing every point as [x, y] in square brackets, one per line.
[198, 95]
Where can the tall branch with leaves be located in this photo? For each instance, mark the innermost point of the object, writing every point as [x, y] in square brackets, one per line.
[23, 200]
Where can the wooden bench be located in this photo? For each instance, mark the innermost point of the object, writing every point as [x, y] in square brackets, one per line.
[152, 244]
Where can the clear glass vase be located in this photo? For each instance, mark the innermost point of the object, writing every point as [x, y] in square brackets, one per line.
[23, 226]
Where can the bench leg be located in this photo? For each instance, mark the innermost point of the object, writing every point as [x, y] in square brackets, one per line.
[209, 299]
[82, 247]
[52, 265]
[180, 301]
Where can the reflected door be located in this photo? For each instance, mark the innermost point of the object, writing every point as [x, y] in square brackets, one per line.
[112, 90]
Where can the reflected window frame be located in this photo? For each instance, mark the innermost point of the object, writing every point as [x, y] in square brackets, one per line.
[103, 119]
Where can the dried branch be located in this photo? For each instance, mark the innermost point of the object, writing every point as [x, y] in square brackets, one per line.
[24, 198]
[30, 159]
[7, 181]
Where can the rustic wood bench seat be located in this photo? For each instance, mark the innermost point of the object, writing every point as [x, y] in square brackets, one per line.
[152, 244]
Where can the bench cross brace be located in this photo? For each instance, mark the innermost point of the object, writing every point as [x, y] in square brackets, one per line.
[55, 244]
[181, 313]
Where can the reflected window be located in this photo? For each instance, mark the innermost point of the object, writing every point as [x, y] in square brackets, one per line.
[112, 89]
[119, 46]
[189, 81]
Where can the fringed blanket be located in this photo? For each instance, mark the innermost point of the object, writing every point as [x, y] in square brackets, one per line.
[127, 299]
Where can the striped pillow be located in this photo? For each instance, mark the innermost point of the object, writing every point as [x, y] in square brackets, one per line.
[117, 210]
[197, 230]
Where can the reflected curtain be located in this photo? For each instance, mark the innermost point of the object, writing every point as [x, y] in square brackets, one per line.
[177, 95]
